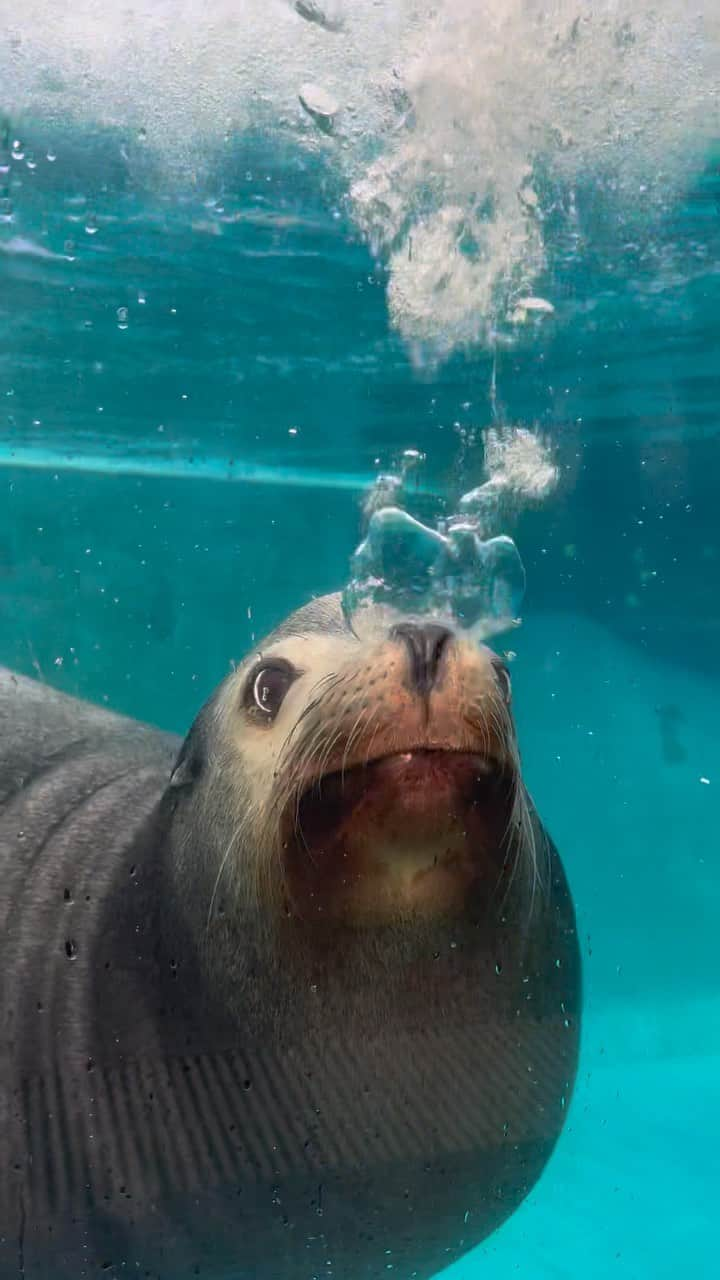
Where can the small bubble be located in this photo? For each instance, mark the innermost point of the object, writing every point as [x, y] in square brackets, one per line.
[122, 317]
[51, 157]
[70, 948]
[18, 152]
[412, 458]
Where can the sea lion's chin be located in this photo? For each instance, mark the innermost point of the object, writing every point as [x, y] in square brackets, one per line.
[421, 833]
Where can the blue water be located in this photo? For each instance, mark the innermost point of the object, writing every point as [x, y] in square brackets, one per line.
[194, 396]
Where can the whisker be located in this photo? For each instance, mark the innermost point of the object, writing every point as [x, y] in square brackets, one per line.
[352, 737]
[233, 839]
[326, 684]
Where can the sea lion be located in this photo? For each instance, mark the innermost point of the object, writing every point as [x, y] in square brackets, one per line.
[300, 998]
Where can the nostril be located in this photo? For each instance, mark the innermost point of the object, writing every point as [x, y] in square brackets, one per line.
[425, 645]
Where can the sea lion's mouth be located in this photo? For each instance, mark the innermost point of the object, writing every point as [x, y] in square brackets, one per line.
[416, 830]
[401, 781]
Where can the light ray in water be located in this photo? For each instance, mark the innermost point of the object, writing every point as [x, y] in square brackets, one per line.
[216, 469]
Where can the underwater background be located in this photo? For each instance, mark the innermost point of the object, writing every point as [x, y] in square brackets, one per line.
[249, 258]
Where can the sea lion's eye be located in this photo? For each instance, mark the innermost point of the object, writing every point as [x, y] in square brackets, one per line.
[266, 688]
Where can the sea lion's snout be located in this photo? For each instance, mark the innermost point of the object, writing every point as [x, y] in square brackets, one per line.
[425, 644]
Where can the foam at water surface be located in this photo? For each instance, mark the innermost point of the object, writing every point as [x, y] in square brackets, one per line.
[463, 129]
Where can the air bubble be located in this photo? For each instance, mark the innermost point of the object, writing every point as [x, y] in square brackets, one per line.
[524, 307]
[453, 571]
[122, 317]
[320, 105]
[464, 570]
[327, 14]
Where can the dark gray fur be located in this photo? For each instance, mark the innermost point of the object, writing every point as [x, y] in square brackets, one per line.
[147, 1129]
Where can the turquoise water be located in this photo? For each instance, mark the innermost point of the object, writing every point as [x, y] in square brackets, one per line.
[199, 379]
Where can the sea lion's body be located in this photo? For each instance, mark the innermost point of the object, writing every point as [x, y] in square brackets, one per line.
[149, 1127]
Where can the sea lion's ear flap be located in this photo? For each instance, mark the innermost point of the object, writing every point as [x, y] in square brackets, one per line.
[190, 761]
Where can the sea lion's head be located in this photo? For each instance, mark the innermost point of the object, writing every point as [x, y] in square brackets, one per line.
[357, 779]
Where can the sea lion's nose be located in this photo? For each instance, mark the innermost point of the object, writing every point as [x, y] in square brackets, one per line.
[425, 645]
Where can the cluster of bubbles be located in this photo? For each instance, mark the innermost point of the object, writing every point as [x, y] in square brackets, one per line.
[460, 570]
[462, 129]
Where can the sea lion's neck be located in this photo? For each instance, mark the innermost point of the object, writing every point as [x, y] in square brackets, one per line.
[296, 982]
[256, 973]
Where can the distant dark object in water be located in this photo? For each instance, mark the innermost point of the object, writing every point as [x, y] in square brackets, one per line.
[671, 718]
[302, 999]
